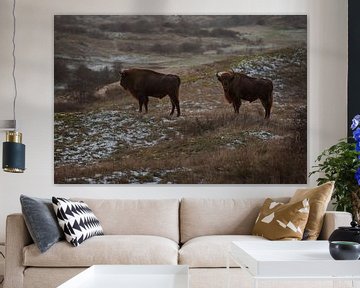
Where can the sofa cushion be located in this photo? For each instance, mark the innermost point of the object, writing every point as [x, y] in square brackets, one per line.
[319, 198]
[158, 217]
[279, 221]
[76, 220]
[41, 221]
[107, 249]
[200, 217]
[211, 251]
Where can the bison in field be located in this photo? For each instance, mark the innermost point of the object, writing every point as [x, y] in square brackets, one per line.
[142, 83]
[238, 86]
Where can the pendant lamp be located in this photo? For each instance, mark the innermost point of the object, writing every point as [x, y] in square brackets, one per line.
[13, 149]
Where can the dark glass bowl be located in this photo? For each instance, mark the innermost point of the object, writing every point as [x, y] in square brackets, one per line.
[344, 250]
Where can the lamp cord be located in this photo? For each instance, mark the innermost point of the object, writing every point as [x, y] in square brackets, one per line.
[14, 60]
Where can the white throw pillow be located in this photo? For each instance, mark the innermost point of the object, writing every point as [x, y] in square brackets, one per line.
[76, 220]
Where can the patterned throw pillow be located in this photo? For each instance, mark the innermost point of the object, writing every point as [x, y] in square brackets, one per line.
[77, 220]
[279, 221]
[319, 198]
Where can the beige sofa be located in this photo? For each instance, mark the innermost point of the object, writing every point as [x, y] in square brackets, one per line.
[194, 232]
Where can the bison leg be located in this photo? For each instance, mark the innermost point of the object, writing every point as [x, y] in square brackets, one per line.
[172, 108]
[236, 105]
[175, 104]
[146, 101]
[267, 107]
[177, 107]
[267, 112]
[141, 102]
[267, 102]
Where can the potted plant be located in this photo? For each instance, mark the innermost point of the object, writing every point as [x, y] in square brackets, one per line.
[341, 163]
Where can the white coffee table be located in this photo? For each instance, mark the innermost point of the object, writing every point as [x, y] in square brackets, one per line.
[296, 260]
[131, 276]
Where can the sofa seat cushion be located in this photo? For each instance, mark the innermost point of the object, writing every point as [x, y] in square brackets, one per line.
[107, 249]
[211, 251]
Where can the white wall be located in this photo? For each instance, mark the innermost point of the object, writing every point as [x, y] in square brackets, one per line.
[327, 40]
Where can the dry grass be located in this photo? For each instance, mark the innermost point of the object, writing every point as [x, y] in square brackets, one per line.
[219, 149]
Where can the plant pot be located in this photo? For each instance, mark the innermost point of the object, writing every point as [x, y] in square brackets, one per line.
[351, 233]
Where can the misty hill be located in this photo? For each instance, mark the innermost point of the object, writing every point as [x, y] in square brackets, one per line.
[177, 24]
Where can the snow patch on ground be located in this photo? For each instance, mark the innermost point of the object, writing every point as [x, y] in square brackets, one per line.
[144, 176]
[85, 138]
[262, 135]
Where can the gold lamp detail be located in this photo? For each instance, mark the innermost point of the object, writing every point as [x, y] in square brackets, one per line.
[13, 149]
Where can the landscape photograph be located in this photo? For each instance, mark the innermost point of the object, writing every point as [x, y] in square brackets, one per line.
[180, 99]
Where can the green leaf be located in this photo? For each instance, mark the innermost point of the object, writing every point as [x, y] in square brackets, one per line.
[339, 163]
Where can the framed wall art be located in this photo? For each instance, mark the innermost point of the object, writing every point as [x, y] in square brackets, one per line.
[180, 99]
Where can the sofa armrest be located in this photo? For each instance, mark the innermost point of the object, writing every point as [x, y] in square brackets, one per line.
[17, 237]
[333, 220]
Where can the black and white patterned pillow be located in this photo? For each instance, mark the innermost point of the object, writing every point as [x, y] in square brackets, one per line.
[77, 220]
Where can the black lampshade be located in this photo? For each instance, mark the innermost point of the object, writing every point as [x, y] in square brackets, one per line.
[13, 153]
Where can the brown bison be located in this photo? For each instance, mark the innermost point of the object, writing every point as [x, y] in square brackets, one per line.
[238, 86]
[143, 83]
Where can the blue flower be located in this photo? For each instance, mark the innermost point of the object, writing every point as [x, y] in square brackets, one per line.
[356, 134]
[355, 126]
[355, 122]
[357, 176]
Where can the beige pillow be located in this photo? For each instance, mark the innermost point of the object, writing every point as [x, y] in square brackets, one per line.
[319, 198]
[279, 221]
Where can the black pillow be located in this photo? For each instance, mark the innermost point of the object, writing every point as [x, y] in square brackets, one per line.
[41, 221]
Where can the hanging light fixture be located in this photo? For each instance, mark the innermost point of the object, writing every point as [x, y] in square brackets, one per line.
[13, 149]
